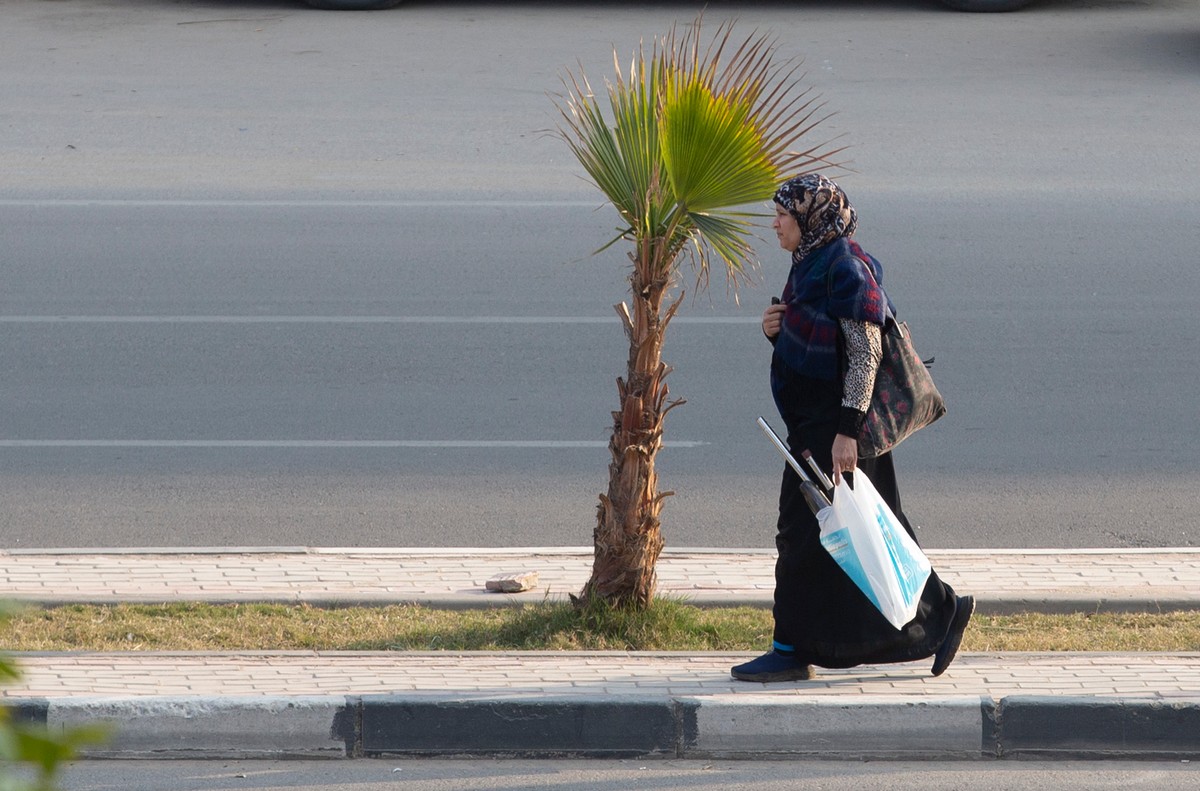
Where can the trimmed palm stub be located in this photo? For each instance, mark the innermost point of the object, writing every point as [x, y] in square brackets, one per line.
[691, 134]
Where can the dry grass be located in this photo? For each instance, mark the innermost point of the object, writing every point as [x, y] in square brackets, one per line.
[1175, 631]
[669, 625]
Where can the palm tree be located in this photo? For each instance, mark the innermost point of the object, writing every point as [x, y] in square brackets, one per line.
[695, 133]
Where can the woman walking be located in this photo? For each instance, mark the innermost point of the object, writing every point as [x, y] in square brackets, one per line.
[826, 331]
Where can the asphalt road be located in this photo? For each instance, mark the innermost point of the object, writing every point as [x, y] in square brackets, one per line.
[600, 775]
[274, 276]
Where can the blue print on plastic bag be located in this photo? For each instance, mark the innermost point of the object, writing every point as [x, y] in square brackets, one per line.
[908, 568]
[840, 547]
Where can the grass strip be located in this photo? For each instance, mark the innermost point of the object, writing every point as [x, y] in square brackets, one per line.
[667, 626]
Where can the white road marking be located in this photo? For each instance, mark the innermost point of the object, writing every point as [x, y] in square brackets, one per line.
[296, 204]
[320, 444]
[358, 319]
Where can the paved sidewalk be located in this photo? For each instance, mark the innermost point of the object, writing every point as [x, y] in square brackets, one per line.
[340, 704]
[1002, 580]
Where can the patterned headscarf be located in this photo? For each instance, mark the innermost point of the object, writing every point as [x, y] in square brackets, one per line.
[831, 278]
[821, 209]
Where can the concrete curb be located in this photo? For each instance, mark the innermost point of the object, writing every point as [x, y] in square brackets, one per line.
[741, 727]
[203, 727]
[1086, 727]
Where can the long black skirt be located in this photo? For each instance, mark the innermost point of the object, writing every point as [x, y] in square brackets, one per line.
[818, 608]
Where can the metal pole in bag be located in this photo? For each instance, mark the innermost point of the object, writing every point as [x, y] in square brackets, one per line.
[813, 494]
[783, 449]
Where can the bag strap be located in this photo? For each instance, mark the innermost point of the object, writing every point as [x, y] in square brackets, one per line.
[890, 322]
[888, 316]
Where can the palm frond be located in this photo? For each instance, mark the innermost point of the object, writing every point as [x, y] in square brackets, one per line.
[690, 133]
[728, 236]
[713, 153]
[591, 139]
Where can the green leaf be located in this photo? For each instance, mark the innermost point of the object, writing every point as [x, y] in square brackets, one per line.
[713, 151]
[728, 237]
[689, 134]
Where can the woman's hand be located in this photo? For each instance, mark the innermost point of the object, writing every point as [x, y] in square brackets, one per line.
[845, 456]
[772, 320]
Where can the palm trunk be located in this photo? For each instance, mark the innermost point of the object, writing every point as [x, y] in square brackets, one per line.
[627, 538]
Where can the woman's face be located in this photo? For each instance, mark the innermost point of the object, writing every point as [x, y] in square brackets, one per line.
[786, 228]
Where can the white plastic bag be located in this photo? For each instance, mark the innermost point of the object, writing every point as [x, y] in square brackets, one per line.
[866, 540]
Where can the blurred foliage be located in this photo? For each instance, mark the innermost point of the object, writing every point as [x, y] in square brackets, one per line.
[30, 755]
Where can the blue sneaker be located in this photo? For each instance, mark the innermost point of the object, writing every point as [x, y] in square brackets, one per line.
[773, 666]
